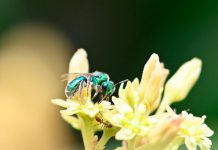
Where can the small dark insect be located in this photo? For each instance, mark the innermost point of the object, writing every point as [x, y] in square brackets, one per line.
[104, 123]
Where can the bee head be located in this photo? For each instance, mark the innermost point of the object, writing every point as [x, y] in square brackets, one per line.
[100, 77]
[108, 87]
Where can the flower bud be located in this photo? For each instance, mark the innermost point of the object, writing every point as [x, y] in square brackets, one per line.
[79, 62]
[151, 85]
[161, 134]
[178, 87]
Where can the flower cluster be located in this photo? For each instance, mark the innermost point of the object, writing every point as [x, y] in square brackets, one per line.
[140, 115]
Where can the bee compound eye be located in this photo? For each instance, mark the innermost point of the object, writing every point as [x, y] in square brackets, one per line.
[104, 86]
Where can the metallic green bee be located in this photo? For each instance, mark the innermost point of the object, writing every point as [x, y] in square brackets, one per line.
[99, 81]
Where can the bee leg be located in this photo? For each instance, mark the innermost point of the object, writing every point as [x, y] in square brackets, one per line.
[105, 96]
[96, 92]
[88, 84]
[80, 89]
[69, 94]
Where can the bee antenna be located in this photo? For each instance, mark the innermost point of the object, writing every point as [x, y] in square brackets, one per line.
[121, 82]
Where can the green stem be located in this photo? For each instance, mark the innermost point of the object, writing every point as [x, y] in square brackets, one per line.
[87, 132]
[131, 144]
[107, 134]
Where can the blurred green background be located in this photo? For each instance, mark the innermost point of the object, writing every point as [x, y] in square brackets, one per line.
[121, 35]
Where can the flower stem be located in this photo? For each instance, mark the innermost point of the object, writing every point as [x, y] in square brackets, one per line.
[107, 134]
[162, 106]
[131, 144]
[87, 132]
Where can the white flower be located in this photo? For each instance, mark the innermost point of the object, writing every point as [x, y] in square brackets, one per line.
[130, 116]
[162, 132]
[75, 107]
[132, 121]
[195, 132]
[150, 88]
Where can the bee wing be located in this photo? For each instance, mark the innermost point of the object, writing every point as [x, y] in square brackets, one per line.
[71, 76]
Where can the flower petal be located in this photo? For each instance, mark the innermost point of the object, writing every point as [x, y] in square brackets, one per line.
[131, 93]
[69, 111]
[60, 102]
[105, 105]
[121, 105]
[147, 71]
[153, 78]
[72, 120]
[125, 134]
[141, 108]
[164, 130]
[206, 130]
[206, 144]
[90, 109]
[190, 143]
[118, 120]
